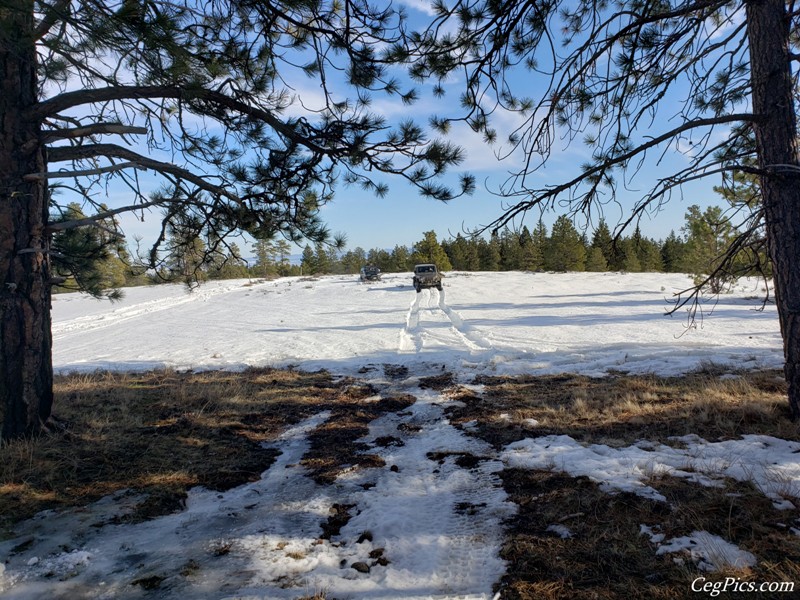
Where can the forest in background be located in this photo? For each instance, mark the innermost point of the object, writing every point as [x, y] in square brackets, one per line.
[697, 249]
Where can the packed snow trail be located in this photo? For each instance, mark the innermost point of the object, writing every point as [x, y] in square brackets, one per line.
[420, 527]
[431, 323]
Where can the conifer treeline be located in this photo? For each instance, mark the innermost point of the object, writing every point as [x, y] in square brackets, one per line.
[703, 238]
[563, 248]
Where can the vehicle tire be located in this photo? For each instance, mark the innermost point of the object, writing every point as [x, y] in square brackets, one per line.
[439, 286]
[418, 288]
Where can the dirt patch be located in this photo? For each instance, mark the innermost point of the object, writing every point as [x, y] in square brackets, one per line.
[334, 448]
[437, 382]
[338, 518]
[395, 372]
[465, 460]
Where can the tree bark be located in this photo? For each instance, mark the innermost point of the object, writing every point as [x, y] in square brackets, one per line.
[768, 28]
[26, 372]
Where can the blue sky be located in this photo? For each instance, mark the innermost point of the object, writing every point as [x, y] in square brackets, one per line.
[402, 216]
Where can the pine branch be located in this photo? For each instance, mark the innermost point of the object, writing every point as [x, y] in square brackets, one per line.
[67, 100]
[63, 225]
[55, 13]
[95, 129]
[89, 151]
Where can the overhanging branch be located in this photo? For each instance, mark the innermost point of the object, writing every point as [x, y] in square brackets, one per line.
[80, 173]
[90, 151]
[95, 129]
[67, 100]
[62, 225]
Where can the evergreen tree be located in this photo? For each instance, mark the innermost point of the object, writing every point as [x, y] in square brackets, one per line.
[672, 254]
[565, 250]
[283, 251]
[603, 241]
[353, 260]
[194, 93]
[429, 250]
[89, 258]
[380, 258]
[233, 266]
[510, 250]
[185, 256]
[532, 256]
[627, 249]
[539, 241]
[264, 252]
[489, 254]
[708, 236]
[650, 256]
[595, 261]
[400, 260]
[742, 192]
[308, 263]
[323, 260]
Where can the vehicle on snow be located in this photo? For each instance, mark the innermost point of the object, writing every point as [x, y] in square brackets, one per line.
[427, 276]
[369, 273]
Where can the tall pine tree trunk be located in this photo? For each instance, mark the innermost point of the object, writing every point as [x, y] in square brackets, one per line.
[776, 144]
[26, 372]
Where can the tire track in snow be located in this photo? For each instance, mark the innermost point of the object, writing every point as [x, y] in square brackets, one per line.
[412, 337]
[126, 313]
[410, 340]
[471, 337]
[441, 524]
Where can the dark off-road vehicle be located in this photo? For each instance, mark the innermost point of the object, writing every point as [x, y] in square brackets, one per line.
[369, 273]
[427, 276]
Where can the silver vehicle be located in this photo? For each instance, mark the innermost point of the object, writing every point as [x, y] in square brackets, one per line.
[427, 276]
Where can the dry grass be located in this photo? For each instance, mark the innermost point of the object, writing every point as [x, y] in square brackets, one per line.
[607, 557]
[622, 409]
[160, 433]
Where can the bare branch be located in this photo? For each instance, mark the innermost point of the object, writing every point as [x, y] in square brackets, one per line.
[60, 154]
[62, 225]
[95, 129]
[80, 173]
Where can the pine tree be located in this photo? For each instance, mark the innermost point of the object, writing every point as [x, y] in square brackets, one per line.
[429, 250]
[672, 254]
[603, 241]
[308, 263]
[708, 236]
[264, 252]
[510, 250]
[489, 254]
[595, 261]
[353, 260]
[532, 257]
[194, 93]
[380, 258]
[565, 250]
[400, 260]
[88, 258]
